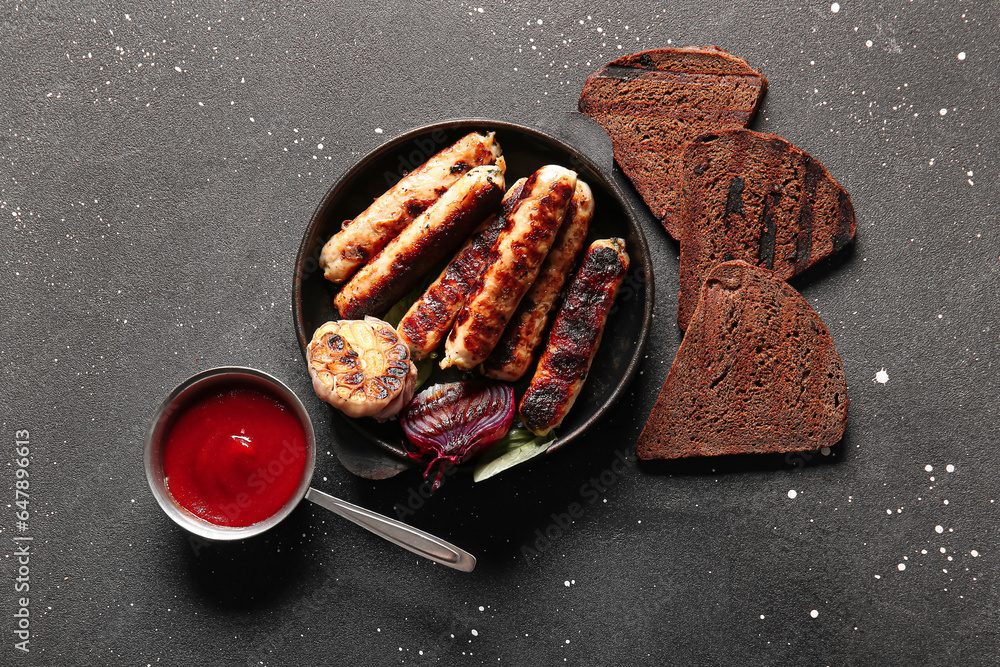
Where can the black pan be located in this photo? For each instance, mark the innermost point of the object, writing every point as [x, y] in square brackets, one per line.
[525, 149]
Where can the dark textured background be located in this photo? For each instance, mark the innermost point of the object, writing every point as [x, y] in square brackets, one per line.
[159, 164]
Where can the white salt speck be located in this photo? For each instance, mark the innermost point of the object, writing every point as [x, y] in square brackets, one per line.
[888, 511]
[792, 493]
[945, 501]
[969, 173]
[835, 7]
[943, 550]
[539, 21]
[814, 613]
[901, 567]
[566, 583]
[762, 617]
[378, 130]
[929, 468]
[481, 608]
[475, 633]
[319, 147]
[252, 119]
[178, 69]
[881, 376]
[938, 529]
[878, 576]
[480, 10]
[869, 44]
[961, 55]
[943, 111]
[974, 553]
[950, 468]
[567, 641]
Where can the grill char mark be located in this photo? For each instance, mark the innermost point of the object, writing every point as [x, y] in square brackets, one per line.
[803, 237]
[845, 221]
[768, 229]
[734, 201]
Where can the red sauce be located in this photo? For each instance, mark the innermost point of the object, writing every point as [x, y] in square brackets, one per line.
[234, 457]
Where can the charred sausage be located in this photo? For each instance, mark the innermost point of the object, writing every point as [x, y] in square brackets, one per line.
[576, 334]
[524, 335]
[514, 263]
[428, 320]
[430, 237]
[362, 238]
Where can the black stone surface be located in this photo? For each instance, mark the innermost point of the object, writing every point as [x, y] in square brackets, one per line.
[159, 164]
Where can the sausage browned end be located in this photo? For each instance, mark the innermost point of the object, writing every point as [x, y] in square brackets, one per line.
[514, 264]
[524, 335]
[362, 238]
[429, 319]
[424, 242]
[575, 337]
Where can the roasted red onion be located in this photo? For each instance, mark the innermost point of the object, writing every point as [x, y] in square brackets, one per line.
[451, 423]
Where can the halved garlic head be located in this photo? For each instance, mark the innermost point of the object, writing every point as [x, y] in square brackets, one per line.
[361, 368]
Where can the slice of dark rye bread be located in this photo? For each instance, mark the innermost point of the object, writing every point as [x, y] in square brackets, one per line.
[756, 372]
[758, 198]
[652, 102]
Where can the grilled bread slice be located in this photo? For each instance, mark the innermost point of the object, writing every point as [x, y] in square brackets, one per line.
[756, 372]
[758, 198]
[652, 102]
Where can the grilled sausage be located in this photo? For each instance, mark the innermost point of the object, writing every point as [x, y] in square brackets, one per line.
[432, 236]
[576, 334]
[362, 238]
[428, 320]
[514, 263]
[523, 337]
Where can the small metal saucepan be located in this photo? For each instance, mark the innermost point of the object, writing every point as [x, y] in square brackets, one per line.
[399, 533]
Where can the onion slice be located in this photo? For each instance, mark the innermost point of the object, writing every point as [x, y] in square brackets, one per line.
[447, 424]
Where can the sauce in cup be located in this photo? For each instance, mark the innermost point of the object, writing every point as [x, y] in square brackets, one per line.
[234, 456]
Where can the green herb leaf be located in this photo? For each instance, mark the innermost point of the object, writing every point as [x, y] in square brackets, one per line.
[517, 446]
[395, 314]
[424, 369]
